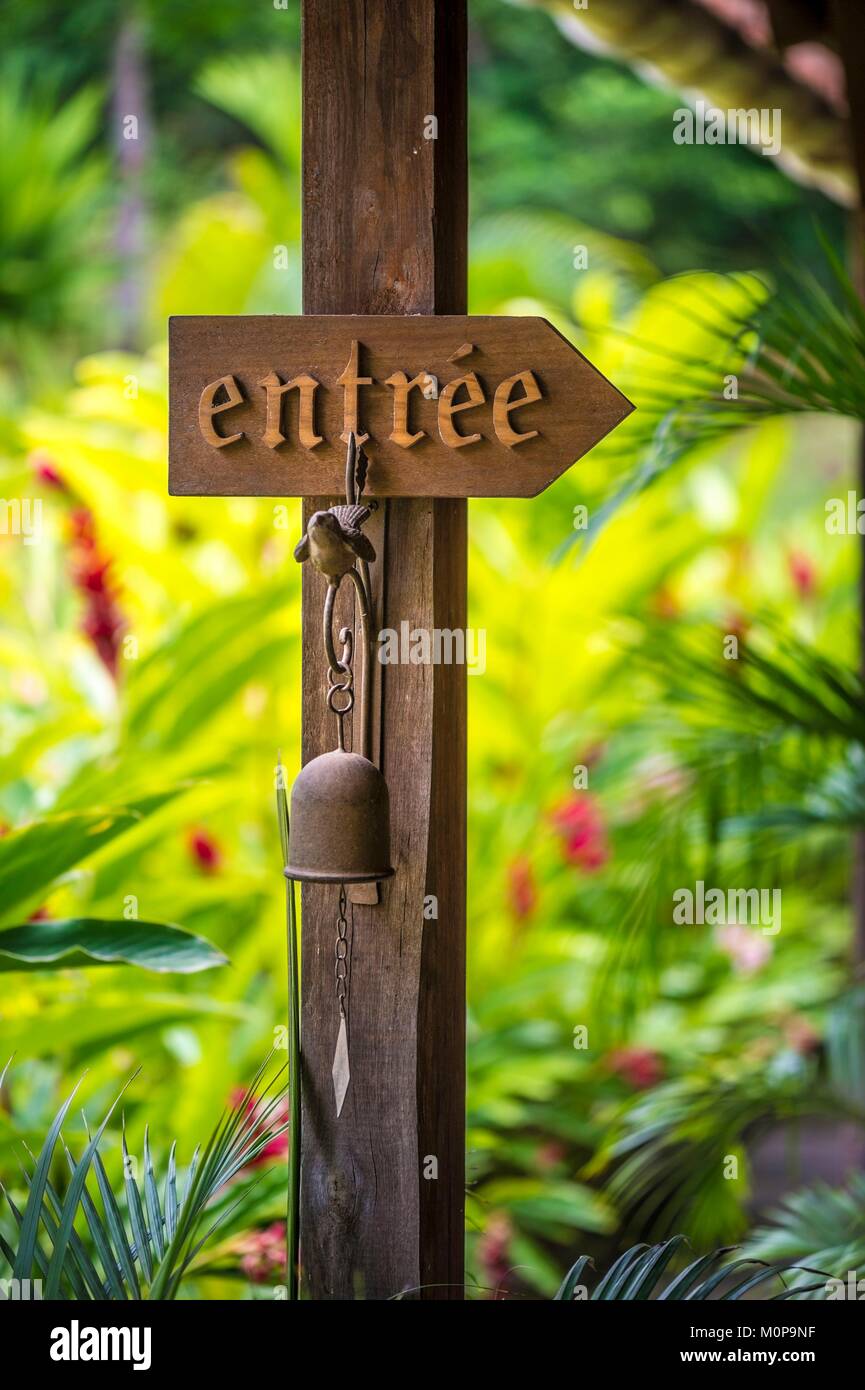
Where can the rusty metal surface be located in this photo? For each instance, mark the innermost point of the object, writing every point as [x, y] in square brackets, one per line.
[340, 821]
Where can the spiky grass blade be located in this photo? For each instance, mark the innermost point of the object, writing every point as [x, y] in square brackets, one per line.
[116, 1229]
[618, 1273]
[101, 1241]
[679, 1287]
[151, 1197]
[33, 1210]
[190, 1177]
[753, 1281]
[135, 1207]
[572, 1280]
[171, 1193]
[72, 1200]
[38, 1252]
[292, 1234]
[81, 1264]
[239, 1138]
[637, 1273]
[648, 1271]
[6, 1250]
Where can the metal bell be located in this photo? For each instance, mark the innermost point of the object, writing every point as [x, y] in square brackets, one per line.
[339, 828]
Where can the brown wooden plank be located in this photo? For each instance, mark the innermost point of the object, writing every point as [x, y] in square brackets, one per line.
[385, 232]
[518, 438]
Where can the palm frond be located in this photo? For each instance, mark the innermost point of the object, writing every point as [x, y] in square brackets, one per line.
[641, 1274]
[666, 1150]
[822, 1224]
[754, 349]
[146, 1252]
[797, 348]
[770, 757]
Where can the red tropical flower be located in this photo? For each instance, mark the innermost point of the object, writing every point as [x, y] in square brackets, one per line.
[46, 470]
[204, 850]
[277, 1147]
[494, 1252]
[92, 575]
[263, 1253]
[641, 1067]
[550, 1155]
[522, 890]
[803, 573]
[580, 825]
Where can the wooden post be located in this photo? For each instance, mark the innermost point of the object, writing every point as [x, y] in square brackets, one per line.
[384, 234]
[384, 231]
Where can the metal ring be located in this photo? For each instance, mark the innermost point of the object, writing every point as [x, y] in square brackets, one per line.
[345, 690]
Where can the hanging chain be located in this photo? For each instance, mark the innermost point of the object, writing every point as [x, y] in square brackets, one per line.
[341, 954]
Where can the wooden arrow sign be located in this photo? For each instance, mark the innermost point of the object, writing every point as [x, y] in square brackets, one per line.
[451, 405]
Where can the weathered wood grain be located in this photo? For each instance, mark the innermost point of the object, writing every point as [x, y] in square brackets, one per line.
[385, 233]
[505, 420]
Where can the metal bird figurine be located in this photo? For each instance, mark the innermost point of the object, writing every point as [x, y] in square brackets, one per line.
[334, 541]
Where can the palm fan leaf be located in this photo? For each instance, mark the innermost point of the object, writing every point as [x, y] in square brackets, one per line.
[760, 350]
[146, 1252]
[822, 1224]
[641, 1273]
[769, 752]
[664, 1153]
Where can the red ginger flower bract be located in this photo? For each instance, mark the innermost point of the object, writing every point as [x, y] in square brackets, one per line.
[205, 850]
[641, 1067]
[581, 826]
[494, 1252]
[522, 890]
[277, 1147]
[92, 574]
[263, 1255]
[803, 573]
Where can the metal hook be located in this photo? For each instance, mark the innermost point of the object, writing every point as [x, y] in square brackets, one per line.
[342, 665]
[338, 665]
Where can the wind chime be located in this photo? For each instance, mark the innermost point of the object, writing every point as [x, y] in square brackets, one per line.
[340, 808]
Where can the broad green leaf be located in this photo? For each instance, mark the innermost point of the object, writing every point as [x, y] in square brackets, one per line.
[88, 941]
[32, 857]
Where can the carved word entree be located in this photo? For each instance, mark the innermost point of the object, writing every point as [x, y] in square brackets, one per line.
[462, 393]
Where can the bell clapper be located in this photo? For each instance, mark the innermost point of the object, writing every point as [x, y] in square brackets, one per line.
[340, 1071]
